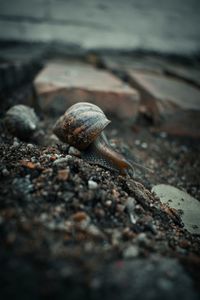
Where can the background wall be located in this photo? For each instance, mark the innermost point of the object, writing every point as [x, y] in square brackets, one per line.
[163, 26]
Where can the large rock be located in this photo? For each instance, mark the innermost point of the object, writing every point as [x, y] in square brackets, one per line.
[61, 84]
[182, 201]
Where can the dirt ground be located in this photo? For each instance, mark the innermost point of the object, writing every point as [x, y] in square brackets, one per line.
[68, 229]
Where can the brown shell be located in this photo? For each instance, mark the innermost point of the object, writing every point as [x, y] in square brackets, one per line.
[81, 124]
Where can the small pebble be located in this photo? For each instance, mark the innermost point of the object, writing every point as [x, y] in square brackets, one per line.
[74, 151]
[5, 172]
[30, 146]
[130, 204]
[142, 237]
[92, 185]
[80, 216]
[120, 208]
[144, 145]
[62, 160]
[94, 230]
[108, 203]
[63, 175]
[131, 251]
[15, 144]
[163, 135]
[137, 142]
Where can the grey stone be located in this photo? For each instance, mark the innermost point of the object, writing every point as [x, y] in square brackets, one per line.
[189, 207]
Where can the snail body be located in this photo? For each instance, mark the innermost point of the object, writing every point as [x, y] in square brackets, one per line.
[21, 121]
[82, 126]
[100, 152]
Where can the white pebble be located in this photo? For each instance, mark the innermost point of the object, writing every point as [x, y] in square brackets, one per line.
[5, 172]
[92, 185]
[137, 142]
[144, 145]
[163, 135]
[62, 160]
[130, 252]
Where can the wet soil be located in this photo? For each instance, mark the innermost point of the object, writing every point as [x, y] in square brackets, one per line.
[64, 222]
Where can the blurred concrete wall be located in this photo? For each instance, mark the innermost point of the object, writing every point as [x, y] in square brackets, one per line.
[158, 25]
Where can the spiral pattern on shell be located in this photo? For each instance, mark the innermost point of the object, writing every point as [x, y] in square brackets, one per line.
[81, 124]
[21, 121]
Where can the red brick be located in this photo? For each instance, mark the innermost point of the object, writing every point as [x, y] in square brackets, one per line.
[61, 84]
[172, 102]
[121, 64]
[183, 123]
[190, 74]
[168, 94]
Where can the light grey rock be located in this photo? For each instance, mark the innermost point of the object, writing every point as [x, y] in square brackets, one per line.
[180, 200]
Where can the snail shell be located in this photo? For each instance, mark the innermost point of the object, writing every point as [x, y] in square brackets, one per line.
[81, 124]
[82, 127]
[21, 121]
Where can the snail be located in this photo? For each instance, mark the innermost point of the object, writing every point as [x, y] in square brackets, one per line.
[82, 126]
[21, 121]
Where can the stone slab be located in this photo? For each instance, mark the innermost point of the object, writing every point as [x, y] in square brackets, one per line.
[180, 200]
[63, 83]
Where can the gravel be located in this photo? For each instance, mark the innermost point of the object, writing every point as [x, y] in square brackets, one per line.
[71, 229]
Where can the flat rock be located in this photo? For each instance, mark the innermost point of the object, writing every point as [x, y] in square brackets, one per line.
[63, 83]
[180, 200]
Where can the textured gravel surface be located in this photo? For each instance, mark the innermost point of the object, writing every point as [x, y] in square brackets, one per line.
[67, 226]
